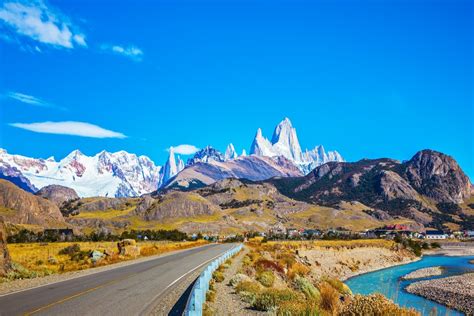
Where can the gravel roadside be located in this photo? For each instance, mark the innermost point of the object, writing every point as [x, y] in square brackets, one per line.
[227, 302]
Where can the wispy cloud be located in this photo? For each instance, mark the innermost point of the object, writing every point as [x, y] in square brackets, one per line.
[35, 20]
[129, 51]
[69, 128]
[184, 149]
[29, 99]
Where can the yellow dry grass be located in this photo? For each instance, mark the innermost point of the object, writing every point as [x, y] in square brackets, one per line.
[107, 214]
[45, 257]
[381, 243]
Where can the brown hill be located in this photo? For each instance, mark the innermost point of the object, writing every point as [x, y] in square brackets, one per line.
[20, 207]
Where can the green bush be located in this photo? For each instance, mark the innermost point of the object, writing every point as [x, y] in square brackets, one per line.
[339, 286]
[70, 250]
[308, 289]
[248, 291]
[218, 276]
[266, 278]
[269, 299]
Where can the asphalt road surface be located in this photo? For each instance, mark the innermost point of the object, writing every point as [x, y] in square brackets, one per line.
[129, 290]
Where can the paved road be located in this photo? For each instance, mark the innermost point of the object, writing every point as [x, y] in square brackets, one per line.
[128, 290]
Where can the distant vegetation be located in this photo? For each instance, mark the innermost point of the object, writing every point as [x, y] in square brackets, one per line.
[24, 236]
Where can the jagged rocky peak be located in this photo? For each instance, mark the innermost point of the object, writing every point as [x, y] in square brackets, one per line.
[285, 143]
[170, 169]
[230, 152]
[438, 176]
[244, 153]
[206, 155]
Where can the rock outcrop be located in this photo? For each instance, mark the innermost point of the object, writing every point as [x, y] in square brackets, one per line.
[438, 176]
[407, 189]
[58, 194]
[20, 207]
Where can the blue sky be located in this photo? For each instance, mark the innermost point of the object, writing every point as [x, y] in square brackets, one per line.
[370, 79]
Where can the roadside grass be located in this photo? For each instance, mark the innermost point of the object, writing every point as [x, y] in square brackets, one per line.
[39, 259]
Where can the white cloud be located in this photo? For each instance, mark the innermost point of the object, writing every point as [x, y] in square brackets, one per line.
[29, 99]
[129, 51]
[34, 19]
[70, 128]
[184, 149]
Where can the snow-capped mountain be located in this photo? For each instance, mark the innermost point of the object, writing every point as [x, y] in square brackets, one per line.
[207, 154]
[230, 152]
[170, 169]
[285, 143]
[117, 174]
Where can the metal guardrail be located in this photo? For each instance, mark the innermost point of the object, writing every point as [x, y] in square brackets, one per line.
[197, 298]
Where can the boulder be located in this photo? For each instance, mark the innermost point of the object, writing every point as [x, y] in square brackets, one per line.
[128, 247]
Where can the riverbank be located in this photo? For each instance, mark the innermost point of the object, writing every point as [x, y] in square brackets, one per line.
[344, 263]
[455, 292]
[423, 273]
[452, 249]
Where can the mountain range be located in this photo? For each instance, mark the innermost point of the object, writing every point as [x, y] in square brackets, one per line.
[429, 190]
[122, 174]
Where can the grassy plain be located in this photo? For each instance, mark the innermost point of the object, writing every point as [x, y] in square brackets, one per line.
[39, 259]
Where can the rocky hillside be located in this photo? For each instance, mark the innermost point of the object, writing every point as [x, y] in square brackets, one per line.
[422, 188]
[226, 206]
[58, 194]
[253, 168]
[20, 207]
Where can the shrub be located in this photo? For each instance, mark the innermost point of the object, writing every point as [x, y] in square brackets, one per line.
[308, 289]
[266, 278]
[265, 264]
[297, 308]
[218, 276]
[248, 291]
[298, 269]
[339, 286]
[376, 305]
[269, 299]
[329, 297]
[70, 250]
[210, 296]
[435, 245]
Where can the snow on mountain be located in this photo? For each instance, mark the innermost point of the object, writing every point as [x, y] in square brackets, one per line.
[206, 155]
[230, 152]
[105, 174]
[285, 143]
[170, 169]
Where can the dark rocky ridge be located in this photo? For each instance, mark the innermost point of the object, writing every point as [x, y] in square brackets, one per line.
[411, 189]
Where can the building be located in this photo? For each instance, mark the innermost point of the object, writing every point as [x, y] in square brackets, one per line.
[435, 234]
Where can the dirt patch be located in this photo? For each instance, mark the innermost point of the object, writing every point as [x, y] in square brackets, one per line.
[344, 263]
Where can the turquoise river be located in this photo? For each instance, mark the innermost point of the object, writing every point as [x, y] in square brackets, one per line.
[387, 281]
